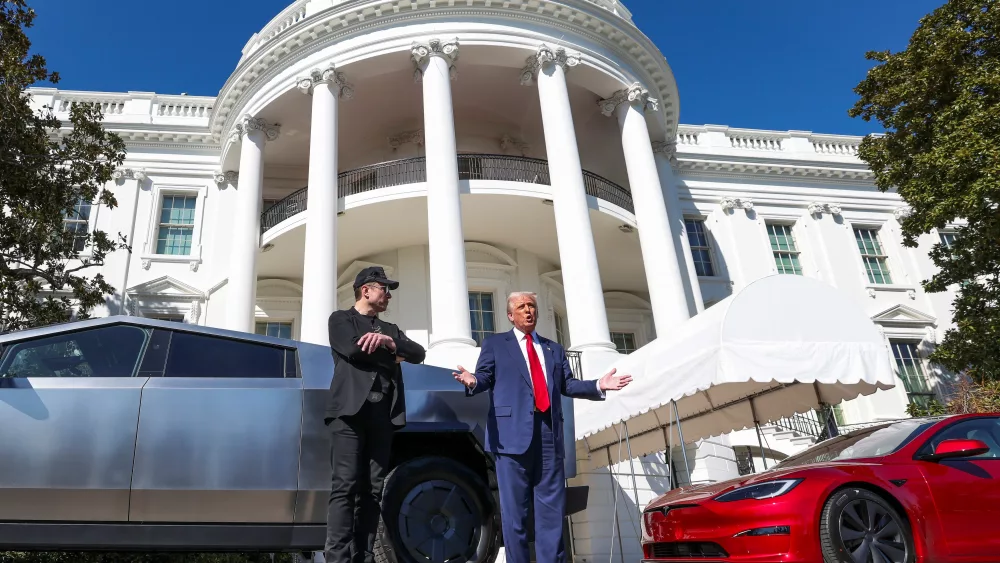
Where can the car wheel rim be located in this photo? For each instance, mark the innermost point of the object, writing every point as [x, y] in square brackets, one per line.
[439, 522]
[871, 534]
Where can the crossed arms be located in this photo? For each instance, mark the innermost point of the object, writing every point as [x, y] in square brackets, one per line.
[371, 347]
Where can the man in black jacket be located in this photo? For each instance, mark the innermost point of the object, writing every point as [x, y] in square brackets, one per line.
[366, 406]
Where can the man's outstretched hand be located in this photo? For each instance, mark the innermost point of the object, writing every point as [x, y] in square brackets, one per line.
[464, 377]
[612, 382]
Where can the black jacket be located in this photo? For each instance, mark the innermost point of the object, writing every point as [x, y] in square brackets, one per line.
[355, 371]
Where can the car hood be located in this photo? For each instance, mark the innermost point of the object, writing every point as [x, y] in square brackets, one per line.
[697, 493]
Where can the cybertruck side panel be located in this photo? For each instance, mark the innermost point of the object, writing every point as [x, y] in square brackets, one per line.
[435, 402]
[68, 446]
[316, 367]
[220, 450]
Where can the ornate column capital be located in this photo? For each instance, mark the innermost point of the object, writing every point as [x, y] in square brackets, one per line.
[546, 54]
[667, 149]
[728, 203]
[420, 53]
[328, 74]
[817, 208]
[225, 178]
[634, 94]
[137, 174]
[247, 124]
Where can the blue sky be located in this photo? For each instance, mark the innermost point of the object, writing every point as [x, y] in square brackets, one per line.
[772, 64]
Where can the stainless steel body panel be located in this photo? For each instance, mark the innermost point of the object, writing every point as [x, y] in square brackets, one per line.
[435, 402]
[217, 450]
[187, 463]
[67, 447]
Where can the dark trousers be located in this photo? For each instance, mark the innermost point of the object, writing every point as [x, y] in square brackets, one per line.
[360, 446]
[534, 480]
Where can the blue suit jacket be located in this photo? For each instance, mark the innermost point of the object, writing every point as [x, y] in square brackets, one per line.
[503, 371]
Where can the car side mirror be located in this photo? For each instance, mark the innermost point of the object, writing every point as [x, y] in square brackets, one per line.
[948, 449]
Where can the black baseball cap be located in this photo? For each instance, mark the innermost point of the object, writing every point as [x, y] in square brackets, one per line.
[374, 274]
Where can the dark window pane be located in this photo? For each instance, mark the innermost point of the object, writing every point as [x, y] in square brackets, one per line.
[986, 430]
[195, 355]
[111, 351]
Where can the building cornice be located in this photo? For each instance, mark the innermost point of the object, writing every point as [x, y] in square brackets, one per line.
[309, 33]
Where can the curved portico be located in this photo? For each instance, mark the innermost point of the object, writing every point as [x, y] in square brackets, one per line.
[585, 134]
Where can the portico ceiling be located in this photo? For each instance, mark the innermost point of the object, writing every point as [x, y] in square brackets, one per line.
[518, 222]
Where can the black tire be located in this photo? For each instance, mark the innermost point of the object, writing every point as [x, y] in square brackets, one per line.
[444, 500]
[856, 522]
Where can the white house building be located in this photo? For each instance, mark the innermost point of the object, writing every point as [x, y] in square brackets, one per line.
[477, 147]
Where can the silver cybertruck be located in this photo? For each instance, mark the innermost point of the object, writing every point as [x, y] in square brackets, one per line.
[133, 434]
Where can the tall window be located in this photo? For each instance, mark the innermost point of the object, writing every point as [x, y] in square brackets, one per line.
[624, 342]
[786, 254]
[911, 371]
[176, 225]
[77, 222]
[276, 329]
[481, 311]
[560, 330]
[874, 256]
[701, 252]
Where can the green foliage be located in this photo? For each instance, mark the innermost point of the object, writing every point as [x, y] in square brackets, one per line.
[939, 101]
[933, 408]
[98, 557]
[43, 176]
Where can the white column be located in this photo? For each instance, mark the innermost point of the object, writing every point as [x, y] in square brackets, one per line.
[241, 297]
[665, 152]
[450, 323]
[319, 273]
[585, 309]
[659, 256]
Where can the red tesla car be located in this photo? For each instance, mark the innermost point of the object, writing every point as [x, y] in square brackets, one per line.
[919, 490]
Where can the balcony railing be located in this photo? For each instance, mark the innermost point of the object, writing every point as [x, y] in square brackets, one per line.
[470, 167]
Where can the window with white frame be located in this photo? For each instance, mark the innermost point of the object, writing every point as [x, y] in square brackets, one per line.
[176, 227]
[947, 239]
[77, 222]
[873, 255]
[624, 342]
[910, 370]
[277, 329]
[701, 252]
[481, 314]
[560, 330]
[786, 253]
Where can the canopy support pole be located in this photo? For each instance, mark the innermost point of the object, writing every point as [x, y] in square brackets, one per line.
[680, 434]
[631, 463]
[614, 491]
[756, 425]
[668, 439]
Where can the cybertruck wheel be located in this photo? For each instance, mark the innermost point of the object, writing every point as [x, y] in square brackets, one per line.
[436, 510]
[859, 526]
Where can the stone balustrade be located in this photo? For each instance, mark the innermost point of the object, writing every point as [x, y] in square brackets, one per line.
[131, 107]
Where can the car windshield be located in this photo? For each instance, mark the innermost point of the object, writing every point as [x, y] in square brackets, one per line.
[875, 441]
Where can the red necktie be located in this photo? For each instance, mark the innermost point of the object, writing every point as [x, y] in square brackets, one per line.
[537, 377]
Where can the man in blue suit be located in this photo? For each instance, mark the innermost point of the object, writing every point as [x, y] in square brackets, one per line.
[526, 374]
